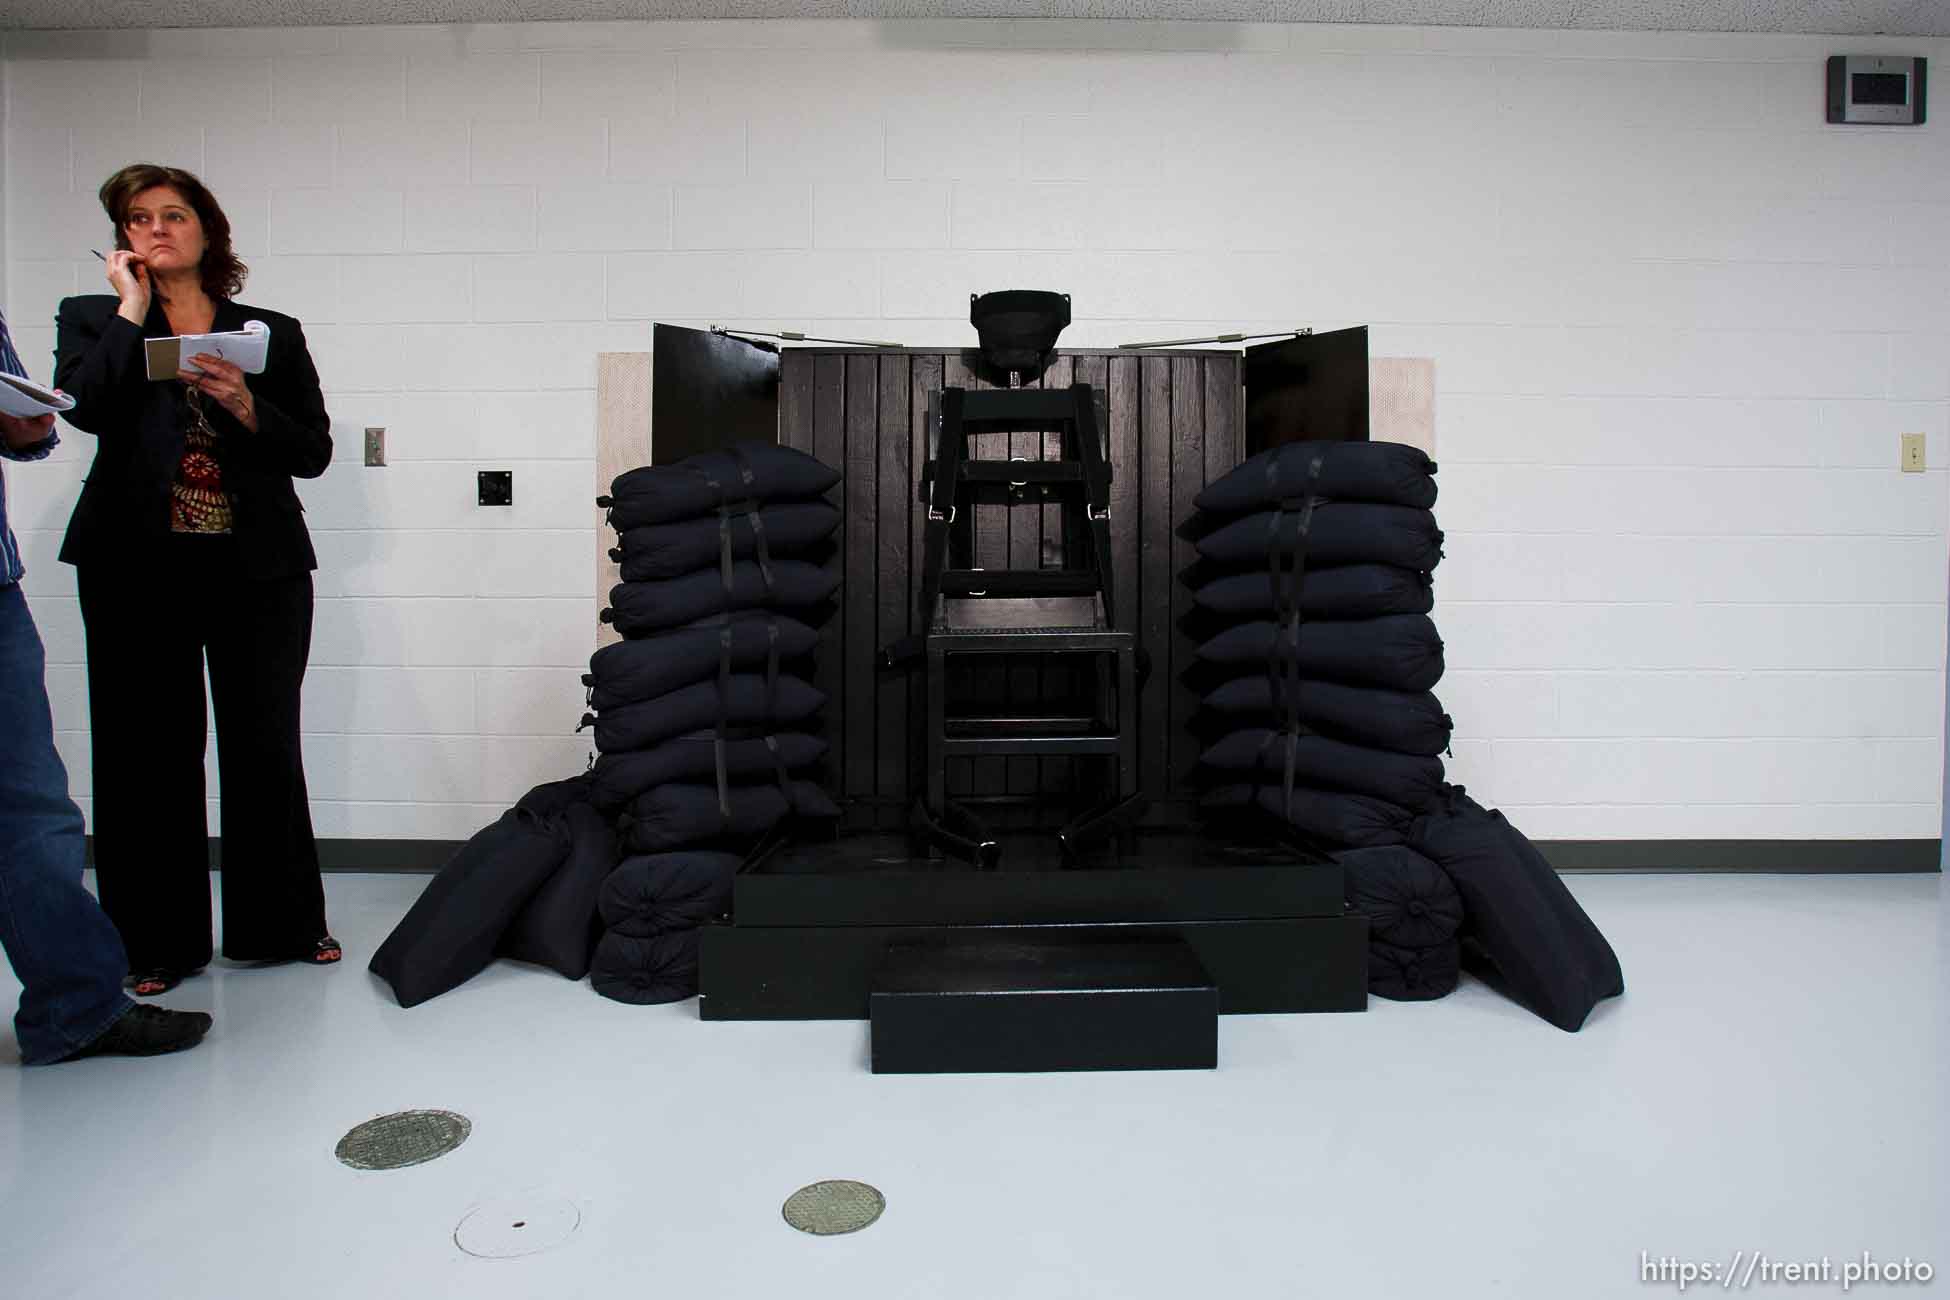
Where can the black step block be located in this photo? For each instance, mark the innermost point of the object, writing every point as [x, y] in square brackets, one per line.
[1031, 1003]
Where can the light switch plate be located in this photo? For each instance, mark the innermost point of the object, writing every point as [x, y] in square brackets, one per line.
[1913, 453]
[375, 445]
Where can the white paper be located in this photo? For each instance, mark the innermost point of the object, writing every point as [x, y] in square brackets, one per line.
[24, 397]
[246, 349]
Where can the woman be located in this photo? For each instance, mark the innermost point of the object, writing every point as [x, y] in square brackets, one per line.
[189, 542]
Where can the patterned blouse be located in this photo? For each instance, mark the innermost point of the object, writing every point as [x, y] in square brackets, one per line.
[197, 501]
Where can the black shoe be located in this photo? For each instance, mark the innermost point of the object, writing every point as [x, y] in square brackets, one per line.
[147, 1031]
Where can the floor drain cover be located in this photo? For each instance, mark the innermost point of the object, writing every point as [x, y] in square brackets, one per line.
[519, 1226]
[830, 1208]
[407, 1137]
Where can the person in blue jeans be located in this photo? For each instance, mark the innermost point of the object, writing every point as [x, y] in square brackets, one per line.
[66, 954]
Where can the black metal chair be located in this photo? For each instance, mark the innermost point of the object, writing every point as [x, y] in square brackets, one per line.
[1056, 612]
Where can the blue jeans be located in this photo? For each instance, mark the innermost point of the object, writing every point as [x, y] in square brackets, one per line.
[66, 954]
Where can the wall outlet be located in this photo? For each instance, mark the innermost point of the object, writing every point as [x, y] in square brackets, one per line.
[375, 446]
[1912, 453]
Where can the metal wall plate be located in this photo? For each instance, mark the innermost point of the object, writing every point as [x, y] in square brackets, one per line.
[407, 1137]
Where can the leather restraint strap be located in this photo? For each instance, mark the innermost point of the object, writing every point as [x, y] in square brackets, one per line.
[952, 441]
[724, 722]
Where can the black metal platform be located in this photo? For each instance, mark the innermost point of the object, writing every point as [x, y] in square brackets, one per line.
[876, 879]
[812, 922]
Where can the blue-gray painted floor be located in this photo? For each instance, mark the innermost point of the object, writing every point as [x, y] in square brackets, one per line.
[1773, 1081]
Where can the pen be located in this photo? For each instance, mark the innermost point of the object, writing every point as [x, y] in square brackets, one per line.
[98, 253]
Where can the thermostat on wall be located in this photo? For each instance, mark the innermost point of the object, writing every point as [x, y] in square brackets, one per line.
[1879, 89]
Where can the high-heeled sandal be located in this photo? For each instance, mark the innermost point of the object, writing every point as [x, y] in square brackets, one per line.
[155, 982]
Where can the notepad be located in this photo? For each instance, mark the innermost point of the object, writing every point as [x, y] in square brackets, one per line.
[20, 396]
[245, 348]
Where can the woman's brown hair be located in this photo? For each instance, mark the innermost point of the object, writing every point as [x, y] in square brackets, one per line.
[221, 270]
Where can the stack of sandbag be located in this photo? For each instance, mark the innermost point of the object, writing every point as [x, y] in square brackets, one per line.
[525, 887]
[706, 725]
[1324, 552]
[1320, 557]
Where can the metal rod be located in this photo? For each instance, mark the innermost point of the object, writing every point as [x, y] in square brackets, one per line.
[1216, 338]
[794, 336]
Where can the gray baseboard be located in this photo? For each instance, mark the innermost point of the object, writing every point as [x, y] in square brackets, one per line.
[1811, 857]
[386, 855]
[1806, 857]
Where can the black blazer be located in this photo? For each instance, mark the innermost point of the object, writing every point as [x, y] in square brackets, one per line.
[124, 505]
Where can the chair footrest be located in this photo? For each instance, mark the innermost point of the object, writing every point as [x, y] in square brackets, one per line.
[1070, 725]
[1028, 640]
[975, 743]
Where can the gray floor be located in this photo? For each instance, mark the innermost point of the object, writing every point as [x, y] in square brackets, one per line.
[1774, 1081]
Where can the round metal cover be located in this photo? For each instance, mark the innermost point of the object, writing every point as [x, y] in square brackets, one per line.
[517, 1226]
[407, 1137]
[833, 1207]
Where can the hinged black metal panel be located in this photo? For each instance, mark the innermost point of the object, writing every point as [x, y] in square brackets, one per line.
[1310, 387]
[708, 391]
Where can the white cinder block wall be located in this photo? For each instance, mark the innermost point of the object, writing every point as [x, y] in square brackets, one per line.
[1678, 323]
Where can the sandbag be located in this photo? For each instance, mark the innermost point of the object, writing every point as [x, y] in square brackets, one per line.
[621, 777]
[1412, 782]
[1407, 722]
[675, 815]
[746, 700]
[1408, 900]
[449, 934]
[643, 668]
[637, 608]
[697, 485]
[1401, 652]
[646, 971]
[1413, 974]
[1349, 532]
[1348, 591]
[1390, 472]
[558, 927]
[1335, 818]
[672, 550]
[653, 893]
[1545, 948]
[553, 798]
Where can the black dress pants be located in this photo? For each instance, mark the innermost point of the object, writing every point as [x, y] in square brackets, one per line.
[151, 623]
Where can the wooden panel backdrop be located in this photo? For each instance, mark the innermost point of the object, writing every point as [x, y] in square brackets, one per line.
[622, 443]
[1174, 424]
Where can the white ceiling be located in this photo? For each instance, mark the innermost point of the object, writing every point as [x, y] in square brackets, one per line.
[1836, 17]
